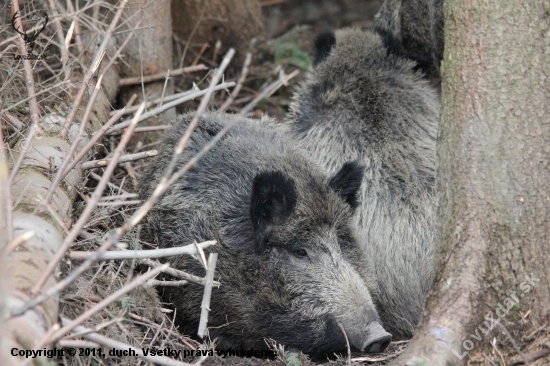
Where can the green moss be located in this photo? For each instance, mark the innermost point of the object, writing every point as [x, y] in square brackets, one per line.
[291, 53]
[293, 359]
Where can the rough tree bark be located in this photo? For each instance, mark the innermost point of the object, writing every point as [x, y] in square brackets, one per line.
[148, 54]
[494, 179]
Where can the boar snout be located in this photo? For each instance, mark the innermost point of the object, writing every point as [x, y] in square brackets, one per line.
[377, 339]
[371, 339]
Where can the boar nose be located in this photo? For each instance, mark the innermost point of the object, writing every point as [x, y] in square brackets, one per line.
[378, 345]
[378, 339]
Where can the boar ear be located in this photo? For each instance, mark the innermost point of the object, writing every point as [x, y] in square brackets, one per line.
[390, 39]
[346, 182]
[273, 200]
[323, 46]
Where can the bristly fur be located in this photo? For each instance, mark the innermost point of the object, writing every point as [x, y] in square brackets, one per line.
[289, 264]
[391, 41]
[361, 103]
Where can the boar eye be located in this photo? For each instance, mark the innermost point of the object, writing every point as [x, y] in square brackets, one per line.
[300, 253]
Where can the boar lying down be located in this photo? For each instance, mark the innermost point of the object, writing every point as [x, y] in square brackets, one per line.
[289, 266]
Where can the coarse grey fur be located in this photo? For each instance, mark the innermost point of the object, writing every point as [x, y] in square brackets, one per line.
[362, 102]
[289, 265]
[417, 27]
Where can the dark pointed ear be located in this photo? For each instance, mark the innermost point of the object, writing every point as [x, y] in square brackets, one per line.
[391, 41]
[273, 200]
[323, 46]
[346, 182]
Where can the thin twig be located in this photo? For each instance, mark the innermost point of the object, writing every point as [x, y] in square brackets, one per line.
[122, 46]
[77, 27]
[111, 185]
[166, 79]
[61, 39]
[33, 96]
[77, 344]
[54, 214]
[177, 273]
[157, 333]
[14, 170]
[29, 77]
[138, 215]
[92, 142]
[89, 207]
[15, 122]
[168, 98]
[193, 33]
[50, 331]
[69, 36]
[531, 356]
[166, 106]
[152, 128]
[63, 170]
[118, 203]
[98, 56]
[199, 55]
[166, 330]
[103, 304]
[136, 29]
[494, 344]
[190, 249]
[347, 342]
[205, 306]
[234, 119]
[131, 172]
[111, 343]
[155, 283]
[488, 359]
[217, 48]
[514, 344]
[161, 75]
[240, 82]
[5, 199]
[119, 197]
[96, 328]
[184, 140]
[166, 182]
[36, 27]
[82, 130]
[122, 159]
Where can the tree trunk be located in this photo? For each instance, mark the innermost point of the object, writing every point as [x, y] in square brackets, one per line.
[233, 22]
[149, 53]
[494, 180]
